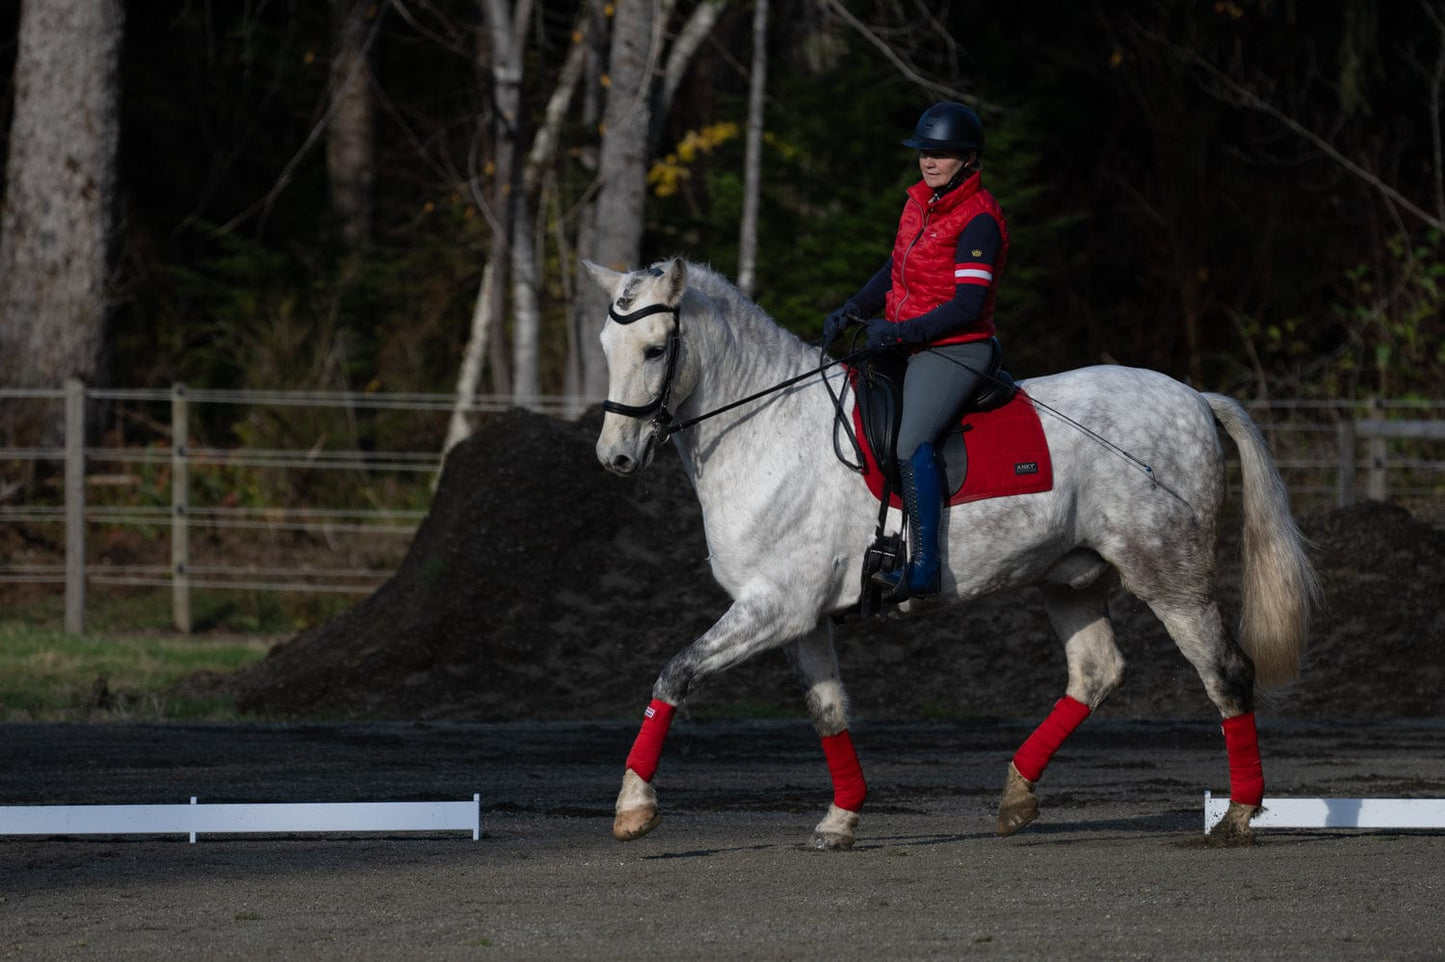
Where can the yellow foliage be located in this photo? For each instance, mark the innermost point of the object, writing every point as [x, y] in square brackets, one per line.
[668, 173]
[788, 150]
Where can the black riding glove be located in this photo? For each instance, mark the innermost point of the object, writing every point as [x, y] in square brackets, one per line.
[837, 321]
[882, 335]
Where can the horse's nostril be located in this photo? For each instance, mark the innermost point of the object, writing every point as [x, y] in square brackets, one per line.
[621, 464]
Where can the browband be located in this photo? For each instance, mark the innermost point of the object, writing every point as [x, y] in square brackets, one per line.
[640, 313]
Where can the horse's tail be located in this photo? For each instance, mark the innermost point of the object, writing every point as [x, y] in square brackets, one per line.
[1279, 585]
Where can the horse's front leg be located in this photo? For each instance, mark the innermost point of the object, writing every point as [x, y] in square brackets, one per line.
[1096, 670]
[816, 664]
[751, 625]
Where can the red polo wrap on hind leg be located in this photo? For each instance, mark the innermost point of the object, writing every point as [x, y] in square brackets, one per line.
[849, 789]
[647, 749]
[1246, 774]
[1034, 754]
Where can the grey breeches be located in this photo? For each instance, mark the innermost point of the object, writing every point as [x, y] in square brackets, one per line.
[938, 382]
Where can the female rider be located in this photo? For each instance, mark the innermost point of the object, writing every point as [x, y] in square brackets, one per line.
[935, 296]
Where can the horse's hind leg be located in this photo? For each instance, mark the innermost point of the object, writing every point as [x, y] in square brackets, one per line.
[1228, 676]
[816, 664]
[1080, 616]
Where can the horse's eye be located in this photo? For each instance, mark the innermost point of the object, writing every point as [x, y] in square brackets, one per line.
[654, 352]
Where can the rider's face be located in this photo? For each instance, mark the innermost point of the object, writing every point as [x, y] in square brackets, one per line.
[938, 166]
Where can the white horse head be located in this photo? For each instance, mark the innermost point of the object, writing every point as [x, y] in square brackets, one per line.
[647, 362]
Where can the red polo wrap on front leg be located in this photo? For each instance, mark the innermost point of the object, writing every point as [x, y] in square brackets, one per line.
[1246, 773]
[647, 749]
[1034, 754]
[849, 789]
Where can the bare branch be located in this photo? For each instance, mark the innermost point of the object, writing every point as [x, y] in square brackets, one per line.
[1436, 81]
[902, 66]
[544, 144]
[283, 180]
[684, 48]
[1246, 97]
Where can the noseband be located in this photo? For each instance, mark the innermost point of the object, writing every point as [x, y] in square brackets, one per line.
[657, 407]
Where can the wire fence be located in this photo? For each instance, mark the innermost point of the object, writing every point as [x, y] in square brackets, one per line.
[206, 500]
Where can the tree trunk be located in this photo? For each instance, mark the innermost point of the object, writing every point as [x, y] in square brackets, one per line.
[350, 157]
[505, 29]
[57, 224]
[524, 257]
[622, 171]
[753, 154]
[470, 375]
[582, 351]
[526, 312]
[679, 59]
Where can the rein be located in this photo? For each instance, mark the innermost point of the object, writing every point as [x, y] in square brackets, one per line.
[662, 421]
[1139, 463]
[683, 425]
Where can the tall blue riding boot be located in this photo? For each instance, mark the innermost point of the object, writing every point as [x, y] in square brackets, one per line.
[923, 503]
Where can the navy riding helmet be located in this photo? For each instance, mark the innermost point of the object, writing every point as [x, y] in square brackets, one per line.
[948, 126]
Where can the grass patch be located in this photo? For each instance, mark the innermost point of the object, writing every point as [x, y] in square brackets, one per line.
[47, 675]
[110, 610]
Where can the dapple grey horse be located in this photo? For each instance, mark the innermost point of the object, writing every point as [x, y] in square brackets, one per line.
[1139, 481]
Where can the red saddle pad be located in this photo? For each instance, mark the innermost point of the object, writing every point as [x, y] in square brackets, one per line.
[1007, 454]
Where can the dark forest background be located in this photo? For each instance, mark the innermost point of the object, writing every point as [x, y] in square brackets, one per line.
[1246, 195]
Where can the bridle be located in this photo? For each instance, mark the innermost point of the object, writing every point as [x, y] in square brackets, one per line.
[663, 425]
[657, 407]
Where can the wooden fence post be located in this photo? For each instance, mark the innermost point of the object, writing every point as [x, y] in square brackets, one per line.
[1377, 488]
[180, 501]
[74, 506]
[1345, 433]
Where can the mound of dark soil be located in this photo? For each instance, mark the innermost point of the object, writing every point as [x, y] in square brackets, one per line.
[540, 587]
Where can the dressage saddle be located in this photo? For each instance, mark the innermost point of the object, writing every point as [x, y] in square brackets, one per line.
[879, 388]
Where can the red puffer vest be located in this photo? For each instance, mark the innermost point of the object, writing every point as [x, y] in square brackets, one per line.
[925, 254]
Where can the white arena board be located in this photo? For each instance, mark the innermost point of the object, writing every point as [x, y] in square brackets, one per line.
[229, 819]
[1336, 813]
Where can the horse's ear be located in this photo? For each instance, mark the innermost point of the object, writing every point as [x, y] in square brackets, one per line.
[605, 277]
[674, 281]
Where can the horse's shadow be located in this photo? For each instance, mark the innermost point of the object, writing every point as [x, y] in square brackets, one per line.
[1167, 826]
[707, 852]
[874, 844]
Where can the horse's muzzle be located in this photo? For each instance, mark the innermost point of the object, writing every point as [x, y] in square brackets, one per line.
[627, 463]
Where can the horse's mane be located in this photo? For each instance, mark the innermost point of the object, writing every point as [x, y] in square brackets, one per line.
[748, 319]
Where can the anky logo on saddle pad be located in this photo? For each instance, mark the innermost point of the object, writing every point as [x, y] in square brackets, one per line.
[1007, 454]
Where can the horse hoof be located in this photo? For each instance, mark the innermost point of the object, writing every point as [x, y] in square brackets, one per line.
[636, 809]
[634, 823]
[836, 832]
[1234, 828]
[1019, 805]
[830, 842]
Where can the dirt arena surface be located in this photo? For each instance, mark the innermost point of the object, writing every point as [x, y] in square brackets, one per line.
[1116, 867]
